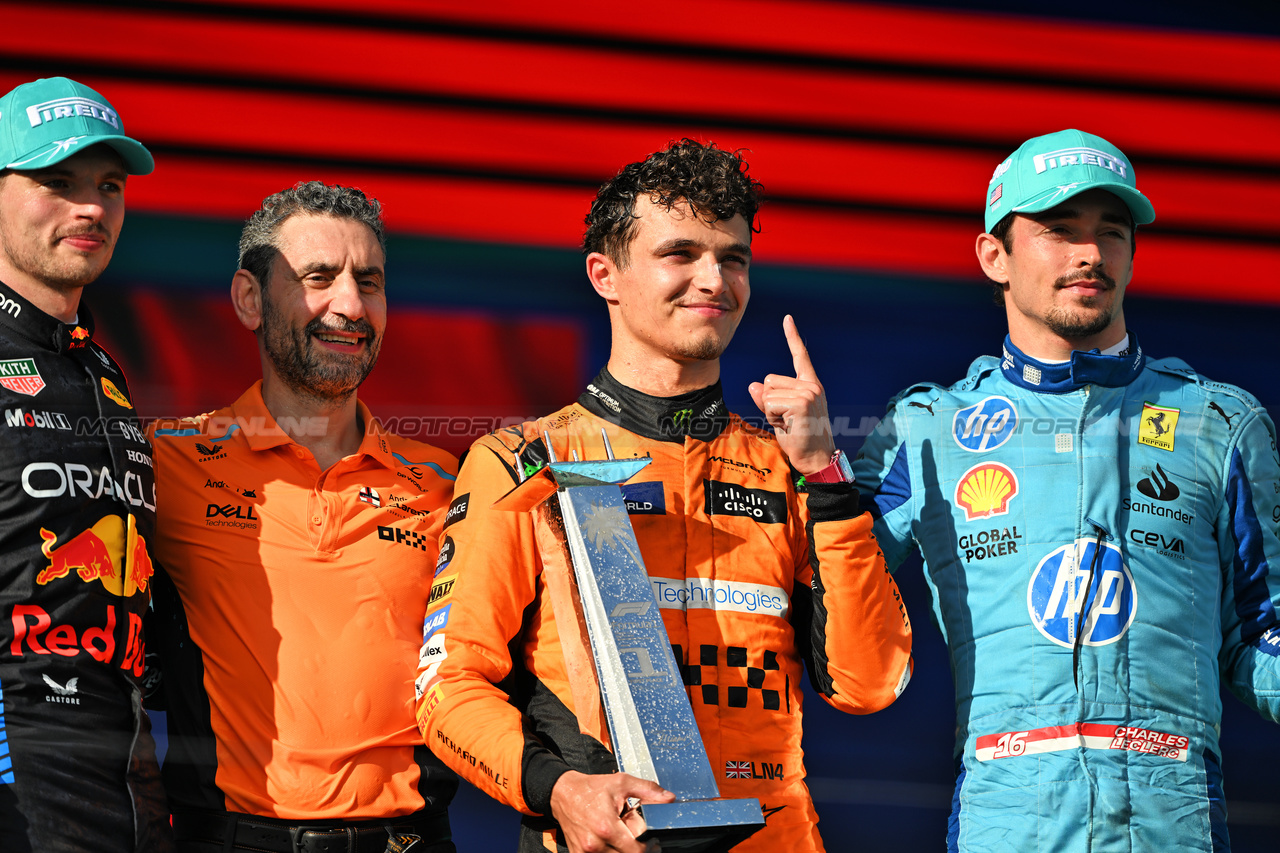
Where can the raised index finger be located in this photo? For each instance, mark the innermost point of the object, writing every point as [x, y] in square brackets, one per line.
[799, 354]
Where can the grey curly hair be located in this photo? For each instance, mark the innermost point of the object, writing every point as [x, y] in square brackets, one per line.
[259, 239]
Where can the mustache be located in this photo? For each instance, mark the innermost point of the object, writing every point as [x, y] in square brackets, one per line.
[1086, 275]
[353, 327]
[94, 230]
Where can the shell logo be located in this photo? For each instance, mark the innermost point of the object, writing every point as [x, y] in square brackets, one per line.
[985, 490]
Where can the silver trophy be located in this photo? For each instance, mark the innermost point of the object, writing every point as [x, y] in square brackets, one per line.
[617, 653]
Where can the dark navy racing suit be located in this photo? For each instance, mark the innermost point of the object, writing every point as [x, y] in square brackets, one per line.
[77, 508]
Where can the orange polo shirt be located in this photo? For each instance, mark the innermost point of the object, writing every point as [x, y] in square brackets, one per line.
[304, 593]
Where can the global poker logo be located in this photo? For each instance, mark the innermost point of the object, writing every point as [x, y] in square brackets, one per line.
[1055, 595]
[985, 425]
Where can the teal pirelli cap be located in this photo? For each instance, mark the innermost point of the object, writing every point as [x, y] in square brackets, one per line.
[1048, 170]
[53, 118]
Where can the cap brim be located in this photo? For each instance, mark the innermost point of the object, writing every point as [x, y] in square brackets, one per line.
[137, 159]
[1139, 205]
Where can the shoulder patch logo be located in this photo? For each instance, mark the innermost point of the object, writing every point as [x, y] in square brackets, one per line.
[985, 425]
[113, 394]
[985, 490]
[441, 590]
[21, 375]
[457, 510]
[1158, 426]
[1225, 416]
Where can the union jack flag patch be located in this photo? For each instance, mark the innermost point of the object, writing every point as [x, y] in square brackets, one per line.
[370, 496]
[737, 770]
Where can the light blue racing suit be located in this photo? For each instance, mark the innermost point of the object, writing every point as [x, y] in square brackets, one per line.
[1098, 537]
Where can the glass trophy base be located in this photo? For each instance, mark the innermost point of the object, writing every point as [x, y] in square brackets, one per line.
[701, 826]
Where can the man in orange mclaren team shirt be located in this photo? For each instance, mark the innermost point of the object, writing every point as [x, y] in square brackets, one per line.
[298, 545]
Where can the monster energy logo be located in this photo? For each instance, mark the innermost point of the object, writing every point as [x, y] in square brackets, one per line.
[680, 418]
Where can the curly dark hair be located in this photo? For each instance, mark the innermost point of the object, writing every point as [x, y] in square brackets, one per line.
[258, 239]
[713, 181]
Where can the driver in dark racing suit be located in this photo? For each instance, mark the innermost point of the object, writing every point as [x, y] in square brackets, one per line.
[77, 495]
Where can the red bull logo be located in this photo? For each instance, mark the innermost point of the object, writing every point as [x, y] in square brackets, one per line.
[35, 632]
[140, 568]
[96, 555]
[92, 554]
[79, 337]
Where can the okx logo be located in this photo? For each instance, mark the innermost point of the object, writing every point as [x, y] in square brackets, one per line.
[1056, 594]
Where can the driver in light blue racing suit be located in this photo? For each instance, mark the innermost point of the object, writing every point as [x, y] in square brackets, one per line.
[1099, 531]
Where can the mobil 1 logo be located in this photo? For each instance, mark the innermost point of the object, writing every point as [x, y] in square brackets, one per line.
[1056, 594]
[985, 425]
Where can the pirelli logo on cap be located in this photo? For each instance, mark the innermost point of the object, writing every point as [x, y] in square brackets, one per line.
[1158, 426]
[1080, 157]
[38, 114]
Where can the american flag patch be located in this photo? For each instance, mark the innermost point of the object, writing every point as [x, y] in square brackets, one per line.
[370, 496]
[996, 193]
[737, 770]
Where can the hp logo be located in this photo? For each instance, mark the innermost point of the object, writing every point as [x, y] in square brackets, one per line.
[986, 425]
[1055, 596]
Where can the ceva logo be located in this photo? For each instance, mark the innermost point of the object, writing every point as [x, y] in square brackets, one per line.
[1055, 596]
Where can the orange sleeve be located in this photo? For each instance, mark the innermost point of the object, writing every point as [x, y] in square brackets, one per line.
[860, 634]
[487, 576]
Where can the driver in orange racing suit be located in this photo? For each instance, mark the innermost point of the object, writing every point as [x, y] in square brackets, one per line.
[756, 550]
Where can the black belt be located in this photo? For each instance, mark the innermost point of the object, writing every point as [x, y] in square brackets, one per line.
[250, 832]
